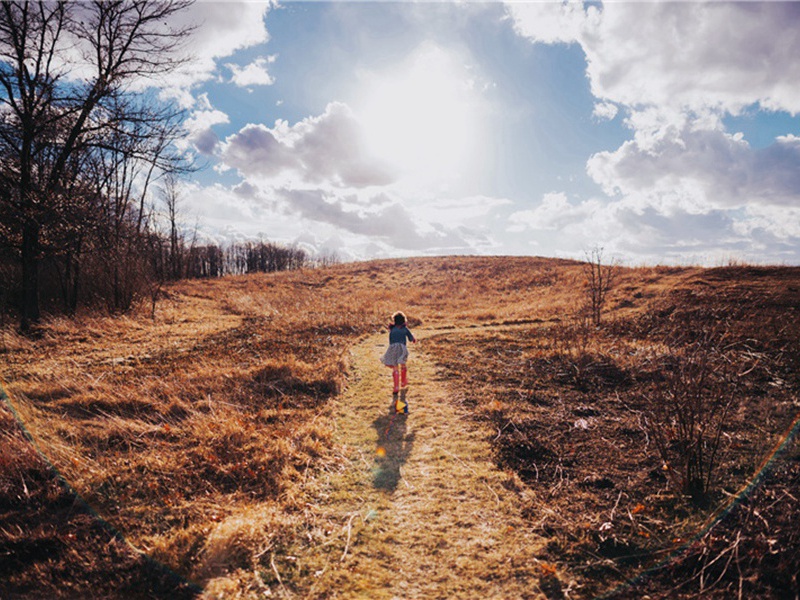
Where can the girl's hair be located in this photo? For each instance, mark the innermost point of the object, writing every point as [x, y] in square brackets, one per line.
[399, 318]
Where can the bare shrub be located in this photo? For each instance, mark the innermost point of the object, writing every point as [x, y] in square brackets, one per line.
[600, 277]
[693, 396]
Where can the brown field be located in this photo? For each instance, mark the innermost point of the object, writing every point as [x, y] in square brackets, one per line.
[205, 451]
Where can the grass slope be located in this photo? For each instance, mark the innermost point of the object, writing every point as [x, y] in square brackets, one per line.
[230, 446]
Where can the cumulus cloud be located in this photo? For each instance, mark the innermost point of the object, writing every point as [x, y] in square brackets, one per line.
[199, 126]
[469, 209]
[682, 183]
[697, 55]
[605, 111]
[241, 212]
[320, 169]
[386, 220]
[653, 233]
[622, 229]
[256, 73]
[245, 190]
[217, 203]
[220, 29]
[679, 67]
[551, 22]
[554, 213]
[782, 223]
[328, 149]
[756, 234]
[212, 30]
[702, 168]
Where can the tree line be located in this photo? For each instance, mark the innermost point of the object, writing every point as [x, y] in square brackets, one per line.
[97, 279]
[86, 142]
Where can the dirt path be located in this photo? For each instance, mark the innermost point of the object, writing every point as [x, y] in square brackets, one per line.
[422, 510]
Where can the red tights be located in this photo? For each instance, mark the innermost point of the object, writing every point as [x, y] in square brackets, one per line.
[399, 377]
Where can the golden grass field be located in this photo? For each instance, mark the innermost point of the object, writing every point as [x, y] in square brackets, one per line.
[239, 445]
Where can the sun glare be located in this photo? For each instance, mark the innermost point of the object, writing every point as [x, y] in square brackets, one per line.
[421, 117]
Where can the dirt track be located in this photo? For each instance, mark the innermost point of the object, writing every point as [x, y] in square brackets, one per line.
[423, 512]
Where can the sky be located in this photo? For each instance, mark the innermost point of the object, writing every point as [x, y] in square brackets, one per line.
[661, 132]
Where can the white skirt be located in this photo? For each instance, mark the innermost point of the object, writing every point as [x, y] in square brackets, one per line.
[396, 354]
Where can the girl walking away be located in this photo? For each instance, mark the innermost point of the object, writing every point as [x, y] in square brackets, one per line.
[396, 354]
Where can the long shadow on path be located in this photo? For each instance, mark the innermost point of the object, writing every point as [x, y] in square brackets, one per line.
[394, 448]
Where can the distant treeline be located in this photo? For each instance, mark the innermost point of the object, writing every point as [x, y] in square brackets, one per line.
[214, 260]
[115, 275]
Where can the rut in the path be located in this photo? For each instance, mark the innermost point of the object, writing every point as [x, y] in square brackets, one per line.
[424, 512]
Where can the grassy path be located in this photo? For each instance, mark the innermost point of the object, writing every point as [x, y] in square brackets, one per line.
[423, 512]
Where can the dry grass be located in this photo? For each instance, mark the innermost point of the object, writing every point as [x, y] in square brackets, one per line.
[571, 405]
[193, 434]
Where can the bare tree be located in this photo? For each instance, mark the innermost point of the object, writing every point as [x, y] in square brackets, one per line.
[171, 200]
[600, 277]
[123, 168]
[53, 112]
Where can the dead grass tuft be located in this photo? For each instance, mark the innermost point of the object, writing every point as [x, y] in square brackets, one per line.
[243, 539]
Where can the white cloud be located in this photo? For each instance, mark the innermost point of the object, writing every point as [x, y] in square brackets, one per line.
[554, 213]
[221, 28]
[200, 123]
[693, 55]
[782, 223]
[390, 222]
[256, 73]
[658, 234]
[320, 170]
[367, 225]
[683, 185]
[701, 169]
[324, 150]
[211, 30]
[605, 111]
[218, 204]
[570, 229]
[242, 212]
[550, 22]
[469, 209]
[245, 190]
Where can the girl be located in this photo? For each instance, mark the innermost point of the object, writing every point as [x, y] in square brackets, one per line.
[396, 354]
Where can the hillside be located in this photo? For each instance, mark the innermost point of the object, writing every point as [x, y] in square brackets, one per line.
[239, 444]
